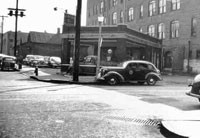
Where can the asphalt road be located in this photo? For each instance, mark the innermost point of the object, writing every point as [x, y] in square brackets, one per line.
[36, 109]
[30, 109]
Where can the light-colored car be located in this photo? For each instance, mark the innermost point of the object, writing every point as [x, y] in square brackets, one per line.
[54, 61]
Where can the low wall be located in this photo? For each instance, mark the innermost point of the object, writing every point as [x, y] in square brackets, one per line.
[194, 65]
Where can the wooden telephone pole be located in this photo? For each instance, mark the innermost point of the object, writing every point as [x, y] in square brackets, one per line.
[77, 42]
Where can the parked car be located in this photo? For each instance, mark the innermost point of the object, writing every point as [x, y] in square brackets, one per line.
[54, 62]
[87, 66]
[37, 61]
[8, 63]
[27, 60]
[195, 90]
[130, 71]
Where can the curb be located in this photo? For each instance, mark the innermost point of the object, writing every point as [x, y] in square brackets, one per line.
[62, 81]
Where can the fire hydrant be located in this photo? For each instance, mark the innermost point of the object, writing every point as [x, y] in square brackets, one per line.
[36, 71]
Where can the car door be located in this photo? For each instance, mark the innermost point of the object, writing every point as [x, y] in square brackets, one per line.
[141, 71]
[130, 72]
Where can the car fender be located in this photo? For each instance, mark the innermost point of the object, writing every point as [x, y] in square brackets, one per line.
[153, 74]
[114, 73]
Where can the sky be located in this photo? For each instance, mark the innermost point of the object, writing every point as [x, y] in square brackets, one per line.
[40, 14]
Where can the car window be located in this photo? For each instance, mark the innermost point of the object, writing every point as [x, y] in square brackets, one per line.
[142, 66]
[151, 67]
[132, 65]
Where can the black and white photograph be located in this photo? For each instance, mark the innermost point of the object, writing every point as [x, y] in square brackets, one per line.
[99, 68]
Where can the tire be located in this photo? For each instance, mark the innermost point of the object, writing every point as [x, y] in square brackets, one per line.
[112, 80]
[151, 80]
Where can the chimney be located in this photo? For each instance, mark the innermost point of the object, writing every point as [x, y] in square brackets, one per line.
[58, 30]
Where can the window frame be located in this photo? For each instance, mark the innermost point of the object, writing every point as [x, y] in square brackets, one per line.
[130, 14]
[114, 18]
[175, 25]
[152, 8]
[141, 11]
[152, 30]
[194, 25]
[176, 4]
[161, 31]
[162, 6]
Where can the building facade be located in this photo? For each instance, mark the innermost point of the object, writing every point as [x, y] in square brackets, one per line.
[119, 43]
[176, 22]
[9, 41]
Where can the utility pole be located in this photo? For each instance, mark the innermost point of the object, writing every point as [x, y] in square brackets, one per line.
[16, 14]
[2, 32]
[77, 42]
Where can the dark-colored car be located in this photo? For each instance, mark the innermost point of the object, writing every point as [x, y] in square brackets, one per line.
[130, 71]
[195, 90]
[8, 63]
[86, 67]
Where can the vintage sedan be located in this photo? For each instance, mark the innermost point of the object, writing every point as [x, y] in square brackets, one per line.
[195, 90]
[8, 63]
[130, 71]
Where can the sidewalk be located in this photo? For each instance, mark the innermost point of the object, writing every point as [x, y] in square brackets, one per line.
[57, 77]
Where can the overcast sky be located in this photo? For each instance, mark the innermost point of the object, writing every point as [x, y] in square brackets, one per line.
[40, 14]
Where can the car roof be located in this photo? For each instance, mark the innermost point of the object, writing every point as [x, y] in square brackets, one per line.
[137, 61]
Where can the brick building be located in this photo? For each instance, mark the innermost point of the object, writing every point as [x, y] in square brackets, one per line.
[41, 43]
[176, 22]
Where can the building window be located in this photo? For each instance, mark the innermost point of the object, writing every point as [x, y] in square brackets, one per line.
[174, 29]
[194, 27]
[130, 14]
[121, 16]
[175, 4]
[141, 11]
[114, 18]
[101, 7]
[198, 54]
[161, 31]
[152, 8]
[114, 3]
[162, 6]
[140, 30]
[151, 30]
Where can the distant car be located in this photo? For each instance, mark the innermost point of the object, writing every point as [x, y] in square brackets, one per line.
[27, 60]
[130, 71]
[54, 62]
[8, 63]
[37, 60]
[195, 90]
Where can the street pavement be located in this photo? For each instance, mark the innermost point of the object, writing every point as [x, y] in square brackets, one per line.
[183, 123]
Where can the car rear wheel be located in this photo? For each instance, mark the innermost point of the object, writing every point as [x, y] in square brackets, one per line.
[112, 80]
[151, 80]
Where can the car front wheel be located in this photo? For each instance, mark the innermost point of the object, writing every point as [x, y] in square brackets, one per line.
[151, 80]
[112, 80]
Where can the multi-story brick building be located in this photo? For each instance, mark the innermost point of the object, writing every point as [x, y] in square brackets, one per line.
[176, 22]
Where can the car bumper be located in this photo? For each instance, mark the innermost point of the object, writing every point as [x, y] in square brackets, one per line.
[192, 94]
